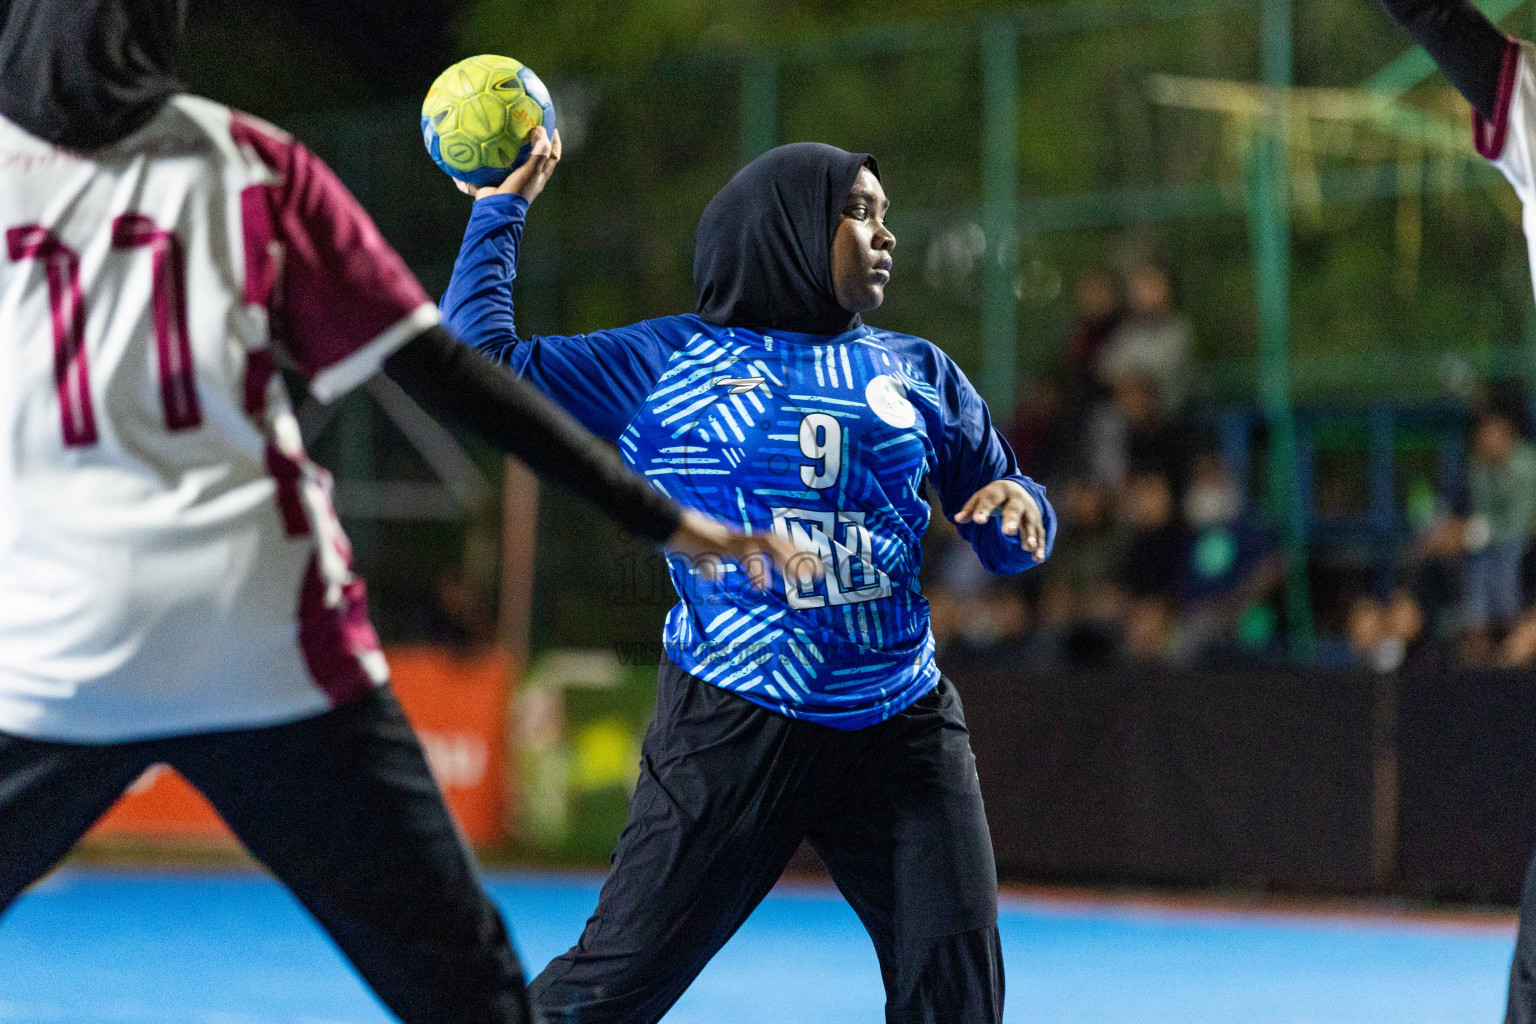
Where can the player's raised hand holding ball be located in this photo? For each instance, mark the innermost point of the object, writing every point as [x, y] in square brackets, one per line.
[528, 178]
[489, 124]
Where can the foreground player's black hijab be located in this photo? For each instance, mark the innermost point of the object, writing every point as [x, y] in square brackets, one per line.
[84, 73]
[762, 257]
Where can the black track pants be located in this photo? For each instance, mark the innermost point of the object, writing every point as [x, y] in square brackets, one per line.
[727, 791]
[1522, 972]
[341, 808]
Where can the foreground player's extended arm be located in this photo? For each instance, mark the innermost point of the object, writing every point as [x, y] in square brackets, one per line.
[1464, 43]
[971, 455]
[1497, 74]
[348, 303]
[602, 378]
[456, 384]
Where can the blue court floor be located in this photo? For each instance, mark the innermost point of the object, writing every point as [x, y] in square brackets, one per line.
[93, 947]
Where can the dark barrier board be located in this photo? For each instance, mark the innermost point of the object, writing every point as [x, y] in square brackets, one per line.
[1251, 778]
[1466, 747]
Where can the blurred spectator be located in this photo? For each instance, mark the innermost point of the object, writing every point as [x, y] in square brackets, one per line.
[1385, 636]
[1081, 603]
[1099, 309]
[1153, 341]
[1491, 538]
[1149, 571]
[1232, 571]
[1501, 485]
[1405, 621]
[1147, 629]
[1041, 431]
[1132, 430]
[972, 611]
[1433, 569]
[1519, 648]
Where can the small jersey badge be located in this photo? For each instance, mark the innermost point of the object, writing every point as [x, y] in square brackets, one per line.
[888, 399]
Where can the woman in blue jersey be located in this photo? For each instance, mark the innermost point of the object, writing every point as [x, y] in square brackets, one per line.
[813, 710]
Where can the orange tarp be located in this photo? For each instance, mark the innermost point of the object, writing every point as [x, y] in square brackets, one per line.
[458, 706]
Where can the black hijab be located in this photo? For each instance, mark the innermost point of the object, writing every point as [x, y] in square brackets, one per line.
[85, 73]
[762, 256]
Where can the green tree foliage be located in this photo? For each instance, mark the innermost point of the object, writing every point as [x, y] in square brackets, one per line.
[661, 81]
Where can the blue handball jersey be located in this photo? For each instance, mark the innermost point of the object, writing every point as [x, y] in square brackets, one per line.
[824, 439]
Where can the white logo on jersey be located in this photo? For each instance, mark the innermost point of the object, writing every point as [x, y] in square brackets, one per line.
[888, 399]
[851, 576]
[738, 385]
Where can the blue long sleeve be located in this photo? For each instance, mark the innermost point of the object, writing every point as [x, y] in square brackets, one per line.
[601, 378]
[477, 307]
[973, 454]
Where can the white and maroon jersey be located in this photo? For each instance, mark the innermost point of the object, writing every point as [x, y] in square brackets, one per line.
[1509, 140]
[169, 559]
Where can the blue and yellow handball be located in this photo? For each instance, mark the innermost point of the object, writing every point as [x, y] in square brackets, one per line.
[479, 114]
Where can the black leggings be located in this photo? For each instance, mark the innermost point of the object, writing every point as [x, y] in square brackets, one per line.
[1521, 1007]
[727, 792]
[341, 808]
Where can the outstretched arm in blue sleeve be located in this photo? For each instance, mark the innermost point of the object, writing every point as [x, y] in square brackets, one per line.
[601, 378]
[973, 455]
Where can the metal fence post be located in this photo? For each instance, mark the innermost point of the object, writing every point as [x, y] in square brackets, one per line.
[1000, 191]
[1270, 223]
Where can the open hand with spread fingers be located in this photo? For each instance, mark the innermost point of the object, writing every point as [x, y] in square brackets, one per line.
[1019, 511]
